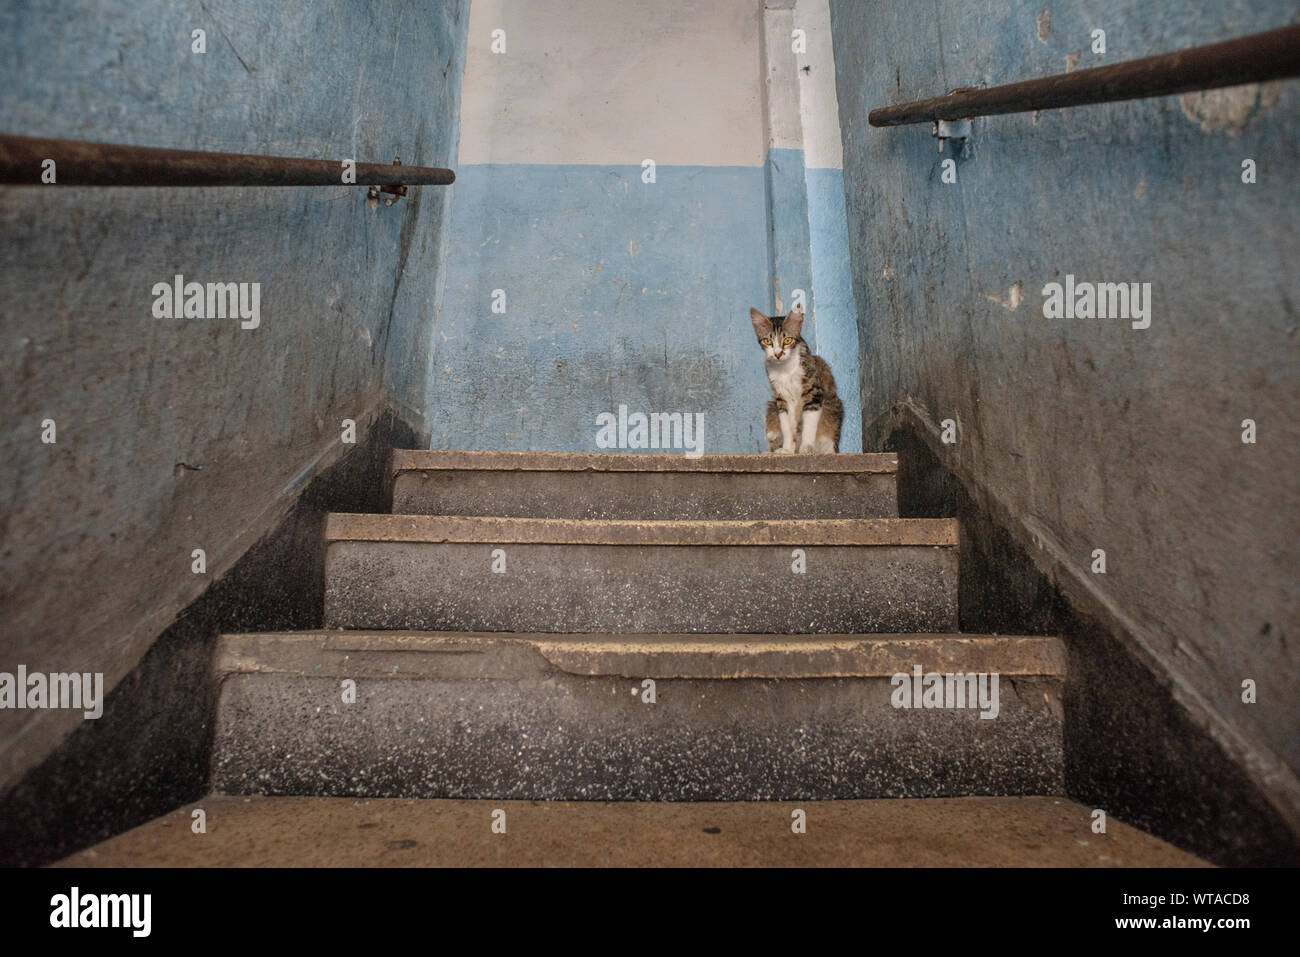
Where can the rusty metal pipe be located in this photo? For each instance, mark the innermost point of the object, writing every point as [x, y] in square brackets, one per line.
[78, 163]
[1257, 58]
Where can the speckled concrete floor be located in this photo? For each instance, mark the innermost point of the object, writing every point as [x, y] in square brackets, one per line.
[330, 832]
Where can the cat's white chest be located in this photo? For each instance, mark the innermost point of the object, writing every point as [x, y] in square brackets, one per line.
[787, 383]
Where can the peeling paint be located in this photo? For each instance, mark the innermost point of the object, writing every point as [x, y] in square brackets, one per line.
[1013, 299]
[1059, 426]
[1228, 110]
[1044, 25]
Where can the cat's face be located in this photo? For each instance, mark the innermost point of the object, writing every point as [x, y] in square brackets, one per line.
[777, 334]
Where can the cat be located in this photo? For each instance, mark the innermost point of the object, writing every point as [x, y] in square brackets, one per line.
[805, 413]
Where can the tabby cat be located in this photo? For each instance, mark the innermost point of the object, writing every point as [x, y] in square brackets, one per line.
[805, 413]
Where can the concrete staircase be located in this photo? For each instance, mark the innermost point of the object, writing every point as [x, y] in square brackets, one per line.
[635, 627]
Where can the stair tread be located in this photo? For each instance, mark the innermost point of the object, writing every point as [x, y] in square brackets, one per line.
[346, 526]
[376, 653]
[436, 459]
[892, 832]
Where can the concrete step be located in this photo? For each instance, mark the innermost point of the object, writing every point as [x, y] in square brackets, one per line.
[1036, 831]
[620, 486]
[566, 717]
[436, 572]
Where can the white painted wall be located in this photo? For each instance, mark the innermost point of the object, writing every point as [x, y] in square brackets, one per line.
[604, 82]
[801, 112]
[818, 108]
[780, 81]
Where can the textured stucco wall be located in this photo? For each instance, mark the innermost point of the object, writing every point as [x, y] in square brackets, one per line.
[98, 529]
[1089, 433]
[617, 291]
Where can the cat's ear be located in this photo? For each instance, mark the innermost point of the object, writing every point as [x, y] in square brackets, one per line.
[762, 325]
[794, 321]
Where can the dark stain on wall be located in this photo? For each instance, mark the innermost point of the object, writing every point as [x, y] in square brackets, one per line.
[149, 752]
[1130, 747]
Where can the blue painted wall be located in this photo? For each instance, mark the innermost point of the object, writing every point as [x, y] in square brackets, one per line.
[97, 530]
[620, 292]
[834, 317]
[617, 292]
[789, 245]
[1092, 434]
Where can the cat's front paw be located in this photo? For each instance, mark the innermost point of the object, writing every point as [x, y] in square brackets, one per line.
[784, 451]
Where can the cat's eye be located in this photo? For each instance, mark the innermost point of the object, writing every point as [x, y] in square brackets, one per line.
[788, 340]
[765, 342]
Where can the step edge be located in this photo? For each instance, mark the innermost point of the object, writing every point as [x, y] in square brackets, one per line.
[437, 460]
[615, 656]
[470, 529]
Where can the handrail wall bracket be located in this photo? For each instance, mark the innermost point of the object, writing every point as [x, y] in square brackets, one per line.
[957, 130]
[397, 190]
[32, 161]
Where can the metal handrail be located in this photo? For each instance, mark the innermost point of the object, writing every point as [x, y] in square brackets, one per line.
[77, 163]
[1258, 58]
